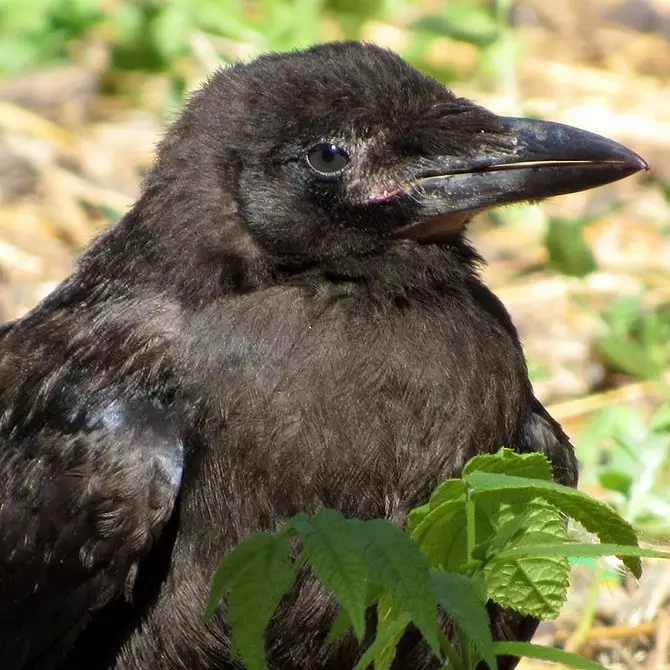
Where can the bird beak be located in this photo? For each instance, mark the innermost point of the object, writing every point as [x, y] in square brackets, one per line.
[543, 159]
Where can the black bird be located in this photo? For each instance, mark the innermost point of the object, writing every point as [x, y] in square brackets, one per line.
[289, 318]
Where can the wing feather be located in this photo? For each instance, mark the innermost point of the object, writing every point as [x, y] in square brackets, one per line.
[78, 512]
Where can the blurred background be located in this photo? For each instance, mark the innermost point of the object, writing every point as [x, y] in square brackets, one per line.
[86, 87]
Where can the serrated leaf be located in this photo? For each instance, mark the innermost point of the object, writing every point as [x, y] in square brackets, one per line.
[336, 552]
[232, 565]
[537, 584]
[256, 574]
[596, 517]
[543, 653]
[396, 563]
[538, 589]
[568, 251]
[533, 465]
[460, 598]
[505, 523]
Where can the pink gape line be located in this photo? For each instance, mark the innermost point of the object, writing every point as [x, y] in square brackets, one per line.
[385, 194]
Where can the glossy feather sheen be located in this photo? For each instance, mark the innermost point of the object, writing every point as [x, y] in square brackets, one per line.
[248, 342]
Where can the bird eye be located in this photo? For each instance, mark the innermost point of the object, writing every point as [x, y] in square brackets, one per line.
[327, 158]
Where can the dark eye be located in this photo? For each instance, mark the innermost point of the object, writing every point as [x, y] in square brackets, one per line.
[327, 158]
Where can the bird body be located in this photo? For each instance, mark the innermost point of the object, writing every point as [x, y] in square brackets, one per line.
[275, 327]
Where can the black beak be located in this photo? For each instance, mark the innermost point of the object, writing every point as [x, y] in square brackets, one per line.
[543, 159]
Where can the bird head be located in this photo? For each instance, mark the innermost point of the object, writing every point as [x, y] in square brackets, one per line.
[344, 148]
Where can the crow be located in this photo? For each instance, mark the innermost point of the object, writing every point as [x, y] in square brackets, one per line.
[289, 318]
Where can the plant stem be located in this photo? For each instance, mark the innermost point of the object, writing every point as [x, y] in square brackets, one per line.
[470, 522]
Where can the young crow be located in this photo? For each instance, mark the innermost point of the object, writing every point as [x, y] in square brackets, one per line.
[289, 318]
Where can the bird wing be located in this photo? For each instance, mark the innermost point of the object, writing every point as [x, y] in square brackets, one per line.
[544, 434]
[79, 509]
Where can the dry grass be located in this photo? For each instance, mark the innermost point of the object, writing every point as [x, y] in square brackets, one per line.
[71, 161]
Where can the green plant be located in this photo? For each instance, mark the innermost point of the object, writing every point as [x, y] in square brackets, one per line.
[634, 339]
[568, 251]
[485, 26]
[158, 35]
[498, 533]
[34, 32]
[628, 455]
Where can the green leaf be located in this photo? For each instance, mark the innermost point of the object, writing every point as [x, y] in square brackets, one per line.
[635, 339]
[362, 10]
[256, 575]
[580, 550]
[596, 517]
[545, 654]
[451, 489]
[461, 21]
[459, 597]
[627, 355]
[599, 430]
[438, 527]
[441, 536]
[509, 462]
[615, 480]
[373, 593]
[568, 251]
[396, 563]
[536, 584]
[169, 31]
[416, 516]
[660, 421]
[506, 523]
[333, 546]
[340, 626]
[128, 20]
[385, 643]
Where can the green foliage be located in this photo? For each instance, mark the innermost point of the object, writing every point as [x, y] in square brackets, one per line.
[34, 32]
[338, 558]
[628, 456]
[392, 622]
[532, 584]
[569, 253]
[499, 534]
[395, 563]
[593, 515]
[537, 370]
[256, 576]
[150, 34]
[635, 340]
[184, 38]
[462, 597]
[542, 653]
[462, 21]
[485, 26]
